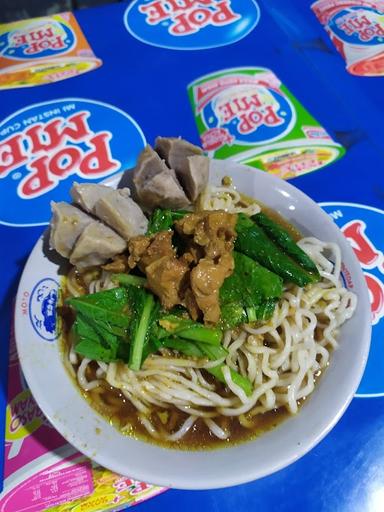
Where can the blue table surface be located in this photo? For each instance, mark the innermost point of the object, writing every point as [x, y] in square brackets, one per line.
[345, 472]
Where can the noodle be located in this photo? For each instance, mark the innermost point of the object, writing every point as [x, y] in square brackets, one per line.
[226, 198]
[281, 357]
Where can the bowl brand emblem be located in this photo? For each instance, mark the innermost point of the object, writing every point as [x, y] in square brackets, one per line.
[45, 147]
[363, 227]
[42, 308]
[363, 26]
[46, 38]
[191, 24]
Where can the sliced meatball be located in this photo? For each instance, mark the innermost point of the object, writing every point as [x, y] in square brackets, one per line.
[86, 195]
[96, 245]
[194, 176]
[148, 165]
[174, 150]
[164, 191]
[192, 169]
[156, 184]
[67, 224]
[120, 212]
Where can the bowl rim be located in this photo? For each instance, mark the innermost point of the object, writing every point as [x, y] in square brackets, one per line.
[269, 467]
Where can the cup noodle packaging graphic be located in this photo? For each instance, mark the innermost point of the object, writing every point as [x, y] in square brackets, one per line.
[248, 115]
[191, 24]
[47, 146]
[356, 28]
[363, 226]
[43, 472]
[38, 51]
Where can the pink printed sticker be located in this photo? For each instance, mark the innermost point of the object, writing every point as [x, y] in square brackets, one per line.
[49, 488]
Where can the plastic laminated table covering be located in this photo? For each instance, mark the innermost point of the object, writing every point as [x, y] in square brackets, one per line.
[198, 70]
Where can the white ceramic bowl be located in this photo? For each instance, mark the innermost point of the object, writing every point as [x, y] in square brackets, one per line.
[91, 434]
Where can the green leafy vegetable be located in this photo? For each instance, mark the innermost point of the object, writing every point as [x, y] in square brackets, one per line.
[129, 280]
[244, 383]
[116, 324]
[200, 350]
[144, 311]
[281, 237]
[125, 323]
[188, 329]
[88, 348]
[109, 307]
[249, 293]
[100, 328]
[188, 348]
[163, 219]
[160, 220]
[254, 242]
[213, 352]
[90, 344]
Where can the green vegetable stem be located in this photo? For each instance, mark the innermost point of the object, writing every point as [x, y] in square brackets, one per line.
[163, 219]
[139, 329]
[200, 350]
[190, 330]
[244, 383]
[129, 280]
[255, 243]
[282, 238]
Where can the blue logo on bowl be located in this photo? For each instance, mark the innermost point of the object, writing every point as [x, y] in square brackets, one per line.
[38, 39]
[363, 226]
[45, 147]
[191, 24]
[42, 308]
[358, 25]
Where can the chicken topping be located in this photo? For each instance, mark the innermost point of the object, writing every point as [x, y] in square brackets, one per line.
[144, 250]
[118, 264]
[206, 280]
[193, 279]
[212, 230]
[166, 278]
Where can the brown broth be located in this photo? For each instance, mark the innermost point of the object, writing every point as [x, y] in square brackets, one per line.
[276, 217]
[110, 403]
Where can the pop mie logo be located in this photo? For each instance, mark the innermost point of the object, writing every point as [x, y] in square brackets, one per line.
[45, 147]
[191, 24]
[246, 111]
[40, 39]
[363, 26]
[363, 227]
